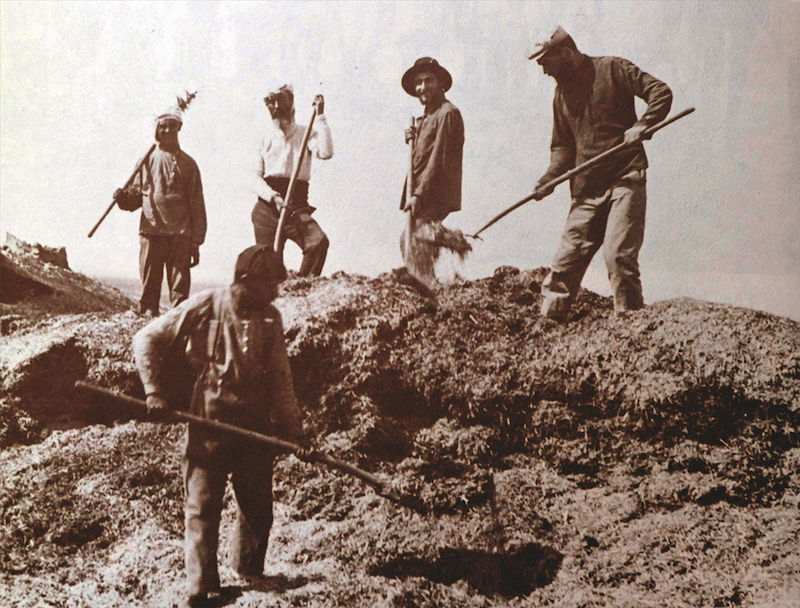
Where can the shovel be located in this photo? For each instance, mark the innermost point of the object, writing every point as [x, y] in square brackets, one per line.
[380, 487]
[433, 234]
[413, 255]
[580, 168]
[278, 244]
[125, 187]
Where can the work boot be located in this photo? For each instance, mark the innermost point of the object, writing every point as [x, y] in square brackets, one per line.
[555, 308]
[404, 277]
[213, 599]
[202, 600]
[147, 313]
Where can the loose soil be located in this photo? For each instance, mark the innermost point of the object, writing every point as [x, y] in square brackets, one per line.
[650, 460]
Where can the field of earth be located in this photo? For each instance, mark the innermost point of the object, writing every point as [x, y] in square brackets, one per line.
[651, 460]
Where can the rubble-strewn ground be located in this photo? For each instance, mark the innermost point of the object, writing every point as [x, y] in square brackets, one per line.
[645, 461]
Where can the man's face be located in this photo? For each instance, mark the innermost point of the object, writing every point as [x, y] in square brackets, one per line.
[279, 104]
[427, 87]
[556, 62]
[167, 131]
[263, 292]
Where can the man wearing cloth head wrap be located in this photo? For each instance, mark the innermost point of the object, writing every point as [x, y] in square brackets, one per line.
[232, 339]
[172, 227]
[277, 156]
[593, 110]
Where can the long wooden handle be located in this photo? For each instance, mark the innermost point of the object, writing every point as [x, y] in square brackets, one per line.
[278, 243]
[127, 183]
[582, 167]
[139, 406]
[410, 192]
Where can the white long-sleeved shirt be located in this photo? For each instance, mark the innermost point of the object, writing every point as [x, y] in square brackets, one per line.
[277, 155]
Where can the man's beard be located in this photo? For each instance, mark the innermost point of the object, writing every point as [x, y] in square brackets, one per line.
[281, 112]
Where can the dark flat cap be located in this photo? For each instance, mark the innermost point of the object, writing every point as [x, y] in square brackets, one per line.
[425, 64]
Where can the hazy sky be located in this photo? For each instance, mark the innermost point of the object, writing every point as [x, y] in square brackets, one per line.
[82, 82]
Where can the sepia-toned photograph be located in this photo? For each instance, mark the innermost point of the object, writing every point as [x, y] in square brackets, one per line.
[399, 304]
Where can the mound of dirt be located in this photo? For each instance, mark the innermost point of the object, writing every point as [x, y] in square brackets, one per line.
[37, 282]
[650, 460]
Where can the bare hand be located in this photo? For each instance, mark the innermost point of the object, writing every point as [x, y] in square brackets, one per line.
[306, 454]
[157, 406]
[127, 200]
[635, 134]
[319, 104]
[412, 204]
[410, 134]
[278, 200]
[194, 258]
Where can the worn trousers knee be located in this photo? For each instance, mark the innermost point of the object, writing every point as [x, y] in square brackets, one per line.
[315, 251]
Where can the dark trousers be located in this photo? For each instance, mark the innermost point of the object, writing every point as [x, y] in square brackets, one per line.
[250, 468]
[157, 253]
[299, 227]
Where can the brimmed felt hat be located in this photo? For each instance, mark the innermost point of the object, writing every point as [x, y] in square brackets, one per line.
[557, 38]
[425, 64]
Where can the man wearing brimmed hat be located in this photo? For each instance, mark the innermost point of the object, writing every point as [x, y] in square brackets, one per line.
[172, 227]
[232, 340]
[593, 110]
[438, 144]
[278, 154]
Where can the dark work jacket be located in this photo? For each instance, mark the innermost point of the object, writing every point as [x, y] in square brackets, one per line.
[436, 162]
[238, 358]
[591, 114]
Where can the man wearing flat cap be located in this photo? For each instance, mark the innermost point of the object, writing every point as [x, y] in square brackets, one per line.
[277, 157]
[438, 143]
[172, 227]
[593, 110]
[231, 339]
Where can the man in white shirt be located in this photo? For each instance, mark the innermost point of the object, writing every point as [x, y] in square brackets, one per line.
[277, 158]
